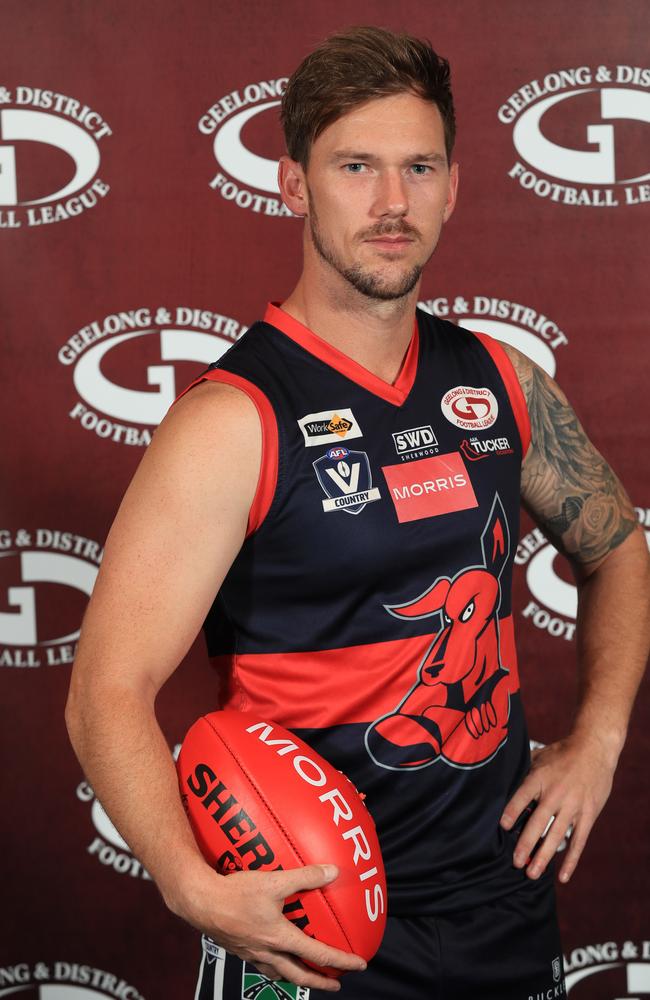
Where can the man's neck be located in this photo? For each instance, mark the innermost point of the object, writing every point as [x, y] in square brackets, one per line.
[374, 333]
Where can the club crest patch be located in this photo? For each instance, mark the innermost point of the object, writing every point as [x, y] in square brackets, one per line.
[346, 480]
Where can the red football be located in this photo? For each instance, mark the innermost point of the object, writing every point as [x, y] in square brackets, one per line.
[258, 797]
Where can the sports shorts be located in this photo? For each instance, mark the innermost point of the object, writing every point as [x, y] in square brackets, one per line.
[507, 949]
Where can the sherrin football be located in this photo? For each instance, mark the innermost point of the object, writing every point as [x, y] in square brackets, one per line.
[260, 798]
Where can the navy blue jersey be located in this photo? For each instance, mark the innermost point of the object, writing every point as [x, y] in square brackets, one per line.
[369, 608]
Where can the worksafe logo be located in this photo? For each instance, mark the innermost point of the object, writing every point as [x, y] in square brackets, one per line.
[245, 126]
[107, 846]
[619, 971]
[530, 331]
[255, 986]
[46, 578]
[553, 600]
[49, 157]
[123, 389]
[63, 981]
[581, 135]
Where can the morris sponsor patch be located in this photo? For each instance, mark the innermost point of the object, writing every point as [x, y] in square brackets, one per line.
[430, 487]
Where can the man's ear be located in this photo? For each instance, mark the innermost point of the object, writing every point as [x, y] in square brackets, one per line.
[293, 186]
[452, 192]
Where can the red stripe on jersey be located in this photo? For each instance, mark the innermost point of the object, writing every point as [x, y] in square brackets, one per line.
[268, 475]
[395, 393]
[336, 686]
[513, 388]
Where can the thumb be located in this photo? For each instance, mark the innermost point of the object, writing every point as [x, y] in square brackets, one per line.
[309, 877]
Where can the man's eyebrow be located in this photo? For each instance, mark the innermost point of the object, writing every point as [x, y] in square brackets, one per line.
[355, 156]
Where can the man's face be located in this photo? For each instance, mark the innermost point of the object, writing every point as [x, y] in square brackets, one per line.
[379, 190]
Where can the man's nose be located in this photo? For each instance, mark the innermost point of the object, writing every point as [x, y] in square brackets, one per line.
[392, 196]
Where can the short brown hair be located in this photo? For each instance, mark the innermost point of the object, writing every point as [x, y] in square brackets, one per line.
[355, 66]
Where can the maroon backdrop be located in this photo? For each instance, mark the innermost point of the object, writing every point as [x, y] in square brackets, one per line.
[140, 232]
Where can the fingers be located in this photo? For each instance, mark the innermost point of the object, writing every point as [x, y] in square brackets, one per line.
[533, 832]
[298, 943]
[290, 880]
[527, 792]
[577, 841]
[284, 967]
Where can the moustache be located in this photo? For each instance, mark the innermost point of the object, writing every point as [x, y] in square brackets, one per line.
[400, 228]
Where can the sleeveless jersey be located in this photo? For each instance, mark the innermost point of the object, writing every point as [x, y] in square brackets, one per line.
[369, 608]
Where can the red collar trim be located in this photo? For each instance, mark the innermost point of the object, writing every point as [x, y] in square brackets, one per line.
[310, 341]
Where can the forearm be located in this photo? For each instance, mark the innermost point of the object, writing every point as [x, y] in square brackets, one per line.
[613, 635]
[125, 757]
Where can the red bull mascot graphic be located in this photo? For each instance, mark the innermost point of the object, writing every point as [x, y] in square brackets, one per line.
[458, 708]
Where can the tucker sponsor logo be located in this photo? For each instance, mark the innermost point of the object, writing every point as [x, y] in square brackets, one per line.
[474, 449]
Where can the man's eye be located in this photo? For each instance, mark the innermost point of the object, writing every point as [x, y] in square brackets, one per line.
[420, 168]
[354, 168]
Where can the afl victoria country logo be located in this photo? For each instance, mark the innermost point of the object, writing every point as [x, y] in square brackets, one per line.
[117, 371]
[63, 981]
[527, 329]
[581, 135]
[49, 157]
[47, 577]
[245, 129]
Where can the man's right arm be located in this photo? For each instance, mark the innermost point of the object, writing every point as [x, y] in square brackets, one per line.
[179, 527]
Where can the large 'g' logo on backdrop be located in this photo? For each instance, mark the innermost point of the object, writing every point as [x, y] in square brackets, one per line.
[597, 166]
[47, 575]
[246, 177]
[108, 353]
[76, 136]
[614, 171]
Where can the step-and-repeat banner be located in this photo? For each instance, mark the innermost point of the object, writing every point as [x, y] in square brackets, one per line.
[141, 232]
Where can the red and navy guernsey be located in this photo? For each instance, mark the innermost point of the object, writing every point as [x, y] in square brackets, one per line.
[369, 608]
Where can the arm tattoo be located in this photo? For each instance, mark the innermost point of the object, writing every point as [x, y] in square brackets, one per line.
[566, 484]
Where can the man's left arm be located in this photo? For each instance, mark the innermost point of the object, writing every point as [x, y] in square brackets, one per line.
[577, 500]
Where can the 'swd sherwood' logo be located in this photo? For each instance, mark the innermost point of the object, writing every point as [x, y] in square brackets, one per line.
[241, 169]
[512, 323]
[416, 442]
[30, 116]
[56, 980]
[597, 106]
[47, 576]
[554, 601]
[136, 341]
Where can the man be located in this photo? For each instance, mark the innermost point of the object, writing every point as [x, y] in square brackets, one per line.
[322, 481]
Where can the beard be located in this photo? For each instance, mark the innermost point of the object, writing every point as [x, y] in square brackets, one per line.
[369, 283]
